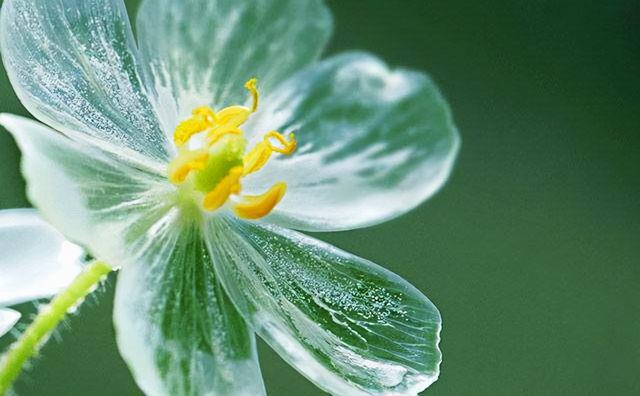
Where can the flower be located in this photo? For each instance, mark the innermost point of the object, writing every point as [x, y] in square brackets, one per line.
[36, 262]
[151, 164]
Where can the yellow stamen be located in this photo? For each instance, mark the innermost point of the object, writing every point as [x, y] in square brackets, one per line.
[229, 119]
[184, 163]
[201, 119]
[261, 152]
[232, 117]
[288, 146]
[258, 206]
[205, 111]
[256, 158]
[252, 86]
[227, 186]
[217, 134]
[220, 163]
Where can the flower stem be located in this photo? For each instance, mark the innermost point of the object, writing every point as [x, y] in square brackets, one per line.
[46, 321]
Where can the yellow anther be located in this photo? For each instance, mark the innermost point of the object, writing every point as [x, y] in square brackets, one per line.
[216, 134]
[228, 119]
[184, 163]
[255, 159]
[206, 112]
[202, 119]
[227, 186]
[252, 86]
[261, 152]
[258, 206]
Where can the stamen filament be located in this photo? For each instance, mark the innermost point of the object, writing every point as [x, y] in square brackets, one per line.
[47, 320]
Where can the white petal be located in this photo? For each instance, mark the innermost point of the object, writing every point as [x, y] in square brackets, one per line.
[176, 327]
[8, 318]
[36, 260]
[373, 143]
[201, 52]
[73, 64]
[93, 197]
[350, 326]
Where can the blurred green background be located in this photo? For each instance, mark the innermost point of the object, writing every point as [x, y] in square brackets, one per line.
[532, 250]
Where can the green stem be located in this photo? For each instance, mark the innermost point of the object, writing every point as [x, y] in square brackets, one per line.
[49, 317]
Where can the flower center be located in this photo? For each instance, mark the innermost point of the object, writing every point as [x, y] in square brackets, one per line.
[215, 168]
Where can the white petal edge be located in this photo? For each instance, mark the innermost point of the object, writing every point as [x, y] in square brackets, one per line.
[373, 143]
[74, 65]
[8, 319]
[94, 198]
[36, 260]
[350, 326]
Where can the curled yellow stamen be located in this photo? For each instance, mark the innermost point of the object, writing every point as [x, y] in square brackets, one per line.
[227, 186]
[186, 162]
[258, 206]
[288, 146]
[260, 154]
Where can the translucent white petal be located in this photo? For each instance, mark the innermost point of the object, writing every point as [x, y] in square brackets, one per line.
[8, 318]
[73, 64]
[201, 52]
[176, 327]
[36, 260]
[373, 143]
[93, 197]
[350, 326]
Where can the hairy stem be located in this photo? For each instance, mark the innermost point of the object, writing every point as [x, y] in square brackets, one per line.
[46, 321]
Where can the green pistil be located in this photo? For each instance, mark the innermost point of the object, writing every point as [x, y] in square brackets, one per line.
[47, 320]
[223, 156]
